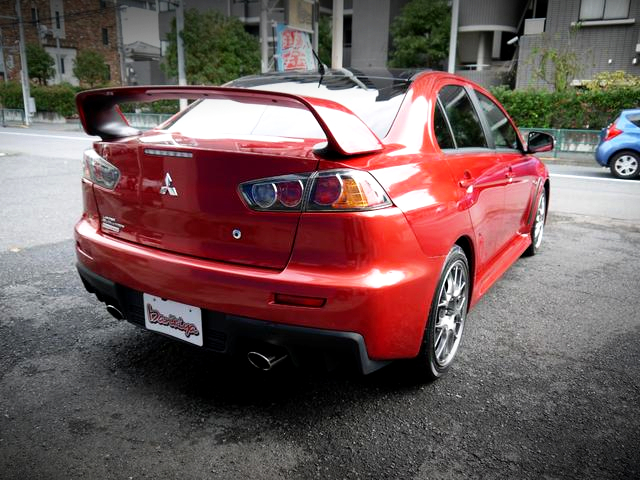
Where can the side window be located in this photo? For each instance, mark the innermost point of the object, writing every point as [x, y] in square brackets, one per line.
[463, 118]
[443, 134]
[504, 135]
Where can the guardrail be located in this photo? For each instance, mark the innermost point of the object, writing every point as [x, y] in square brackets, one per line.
[570, 141]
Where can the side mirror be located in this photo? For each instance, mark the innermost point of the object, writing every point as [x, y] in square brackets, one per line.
[538, 142]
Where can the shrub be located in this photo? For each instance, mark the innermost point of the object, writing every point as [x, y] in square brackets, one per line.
[590, 109]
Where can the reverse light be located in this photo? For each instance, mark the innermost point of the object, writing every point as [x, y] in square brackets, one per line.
[97, 170]
[329, 190]
[611, 132]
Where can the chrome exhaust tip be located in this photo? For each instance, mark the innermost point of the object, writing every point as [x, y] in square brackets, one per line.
[115, 312]
[264, 362]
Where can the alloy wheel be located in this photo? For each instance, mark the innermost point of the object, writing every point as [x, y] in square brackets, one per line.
[626, 165]
[538, 228]
[452, 311]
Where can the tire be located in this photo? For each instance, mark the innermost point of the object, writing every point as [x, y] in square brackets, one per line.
[447, 316]
[537, 229]
[625, 165]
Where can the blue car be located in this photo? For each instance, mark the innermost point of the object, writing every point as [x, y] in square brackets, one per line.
[619, 147]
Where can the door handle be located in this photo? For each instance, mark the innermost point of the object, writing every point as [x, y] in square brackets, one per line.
[509, 173]
[467, 180]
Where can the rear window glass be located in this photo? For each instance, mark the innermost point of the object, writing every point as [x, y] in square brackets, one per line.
[375, 100]
[220, 118]
[634, 118]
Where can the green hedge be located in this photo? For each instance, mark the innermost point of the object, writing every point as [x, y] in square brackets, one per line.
[55, 98]
[588, 109]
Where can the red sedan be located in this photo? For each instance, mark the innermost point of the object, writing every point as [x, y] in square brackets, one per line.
[320, 218]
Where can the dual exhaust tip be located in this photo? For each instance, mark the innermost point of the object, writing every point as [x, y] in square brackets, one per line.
[264, 362]
[261, 361]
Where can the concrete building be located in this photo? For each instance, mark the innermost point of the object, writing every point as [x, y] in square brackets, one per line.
[64, 28]
[604, 35]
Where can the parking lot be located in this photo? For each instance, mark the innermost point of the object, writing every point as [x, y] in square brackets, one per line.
[546, 385]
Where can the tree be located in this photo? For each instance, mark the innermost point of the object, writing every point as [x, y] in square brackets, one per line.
[90, 68]
[217, 49]
[324, 39]
[420, 34]
[40, 63]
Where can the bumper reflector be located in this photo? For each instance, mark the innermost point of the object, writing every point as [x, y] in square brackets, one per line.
[298, 301]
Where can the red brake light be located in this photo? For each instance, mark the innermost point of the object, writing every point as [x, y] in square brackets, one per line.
[328, 190]
[290, 193]
[97, 170]
[612, 132]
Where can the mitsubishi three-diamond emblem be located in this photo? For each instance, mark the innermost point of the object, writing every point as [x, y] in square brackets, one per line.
[168, 186]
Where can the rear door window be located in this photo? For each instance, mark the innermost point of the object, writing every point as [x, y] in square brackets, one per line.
[443, 134]
[463, 118]
[503, 133]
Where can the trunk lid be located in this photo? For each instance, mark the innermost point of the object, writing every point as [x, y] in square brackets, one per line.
[185, 199]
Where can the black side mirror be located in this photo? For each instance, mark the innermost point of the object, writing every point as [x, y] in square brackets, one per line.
[538, 142]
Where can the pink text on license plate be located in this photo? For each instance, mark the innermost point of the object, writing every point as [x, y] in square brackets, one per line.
[173, 318]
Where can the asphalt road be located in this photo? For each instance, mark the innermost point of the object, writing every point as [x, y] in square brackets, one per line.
[546, 385]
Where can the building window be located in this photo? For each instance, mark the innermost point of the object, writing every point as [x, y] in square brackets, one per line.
[107, 68]
[34, 15]
[105, 36]
[62, 66]
[167, 5]
[58, 20]
[103, 4]
[604, 9]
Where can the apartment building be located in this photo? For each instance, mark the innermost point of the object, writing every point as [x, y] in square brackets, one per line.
[64, 28]
[603, 34]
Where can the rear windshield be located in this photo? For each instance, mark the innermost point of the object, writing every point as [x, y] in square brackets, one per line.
[221, 118]
[634, 118]
[375, 101]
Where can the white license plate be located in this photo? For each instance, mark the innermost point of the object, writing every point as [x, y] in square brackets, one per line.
[172, 318]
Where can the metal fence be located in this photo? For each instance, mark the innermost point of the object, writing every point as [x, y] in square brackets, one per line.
[570, 141]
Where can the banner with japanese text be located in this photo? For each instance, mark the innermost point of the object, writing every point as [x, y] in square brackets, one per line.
[294, 50]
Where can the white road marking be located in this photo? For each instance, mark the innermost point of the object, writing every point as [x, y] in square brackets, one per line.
[84, 139]
[583, 177]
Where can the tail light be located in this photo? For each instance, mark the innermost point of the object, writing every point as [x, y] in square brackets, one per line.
[611, 132]
[327, 191]
[97, 170]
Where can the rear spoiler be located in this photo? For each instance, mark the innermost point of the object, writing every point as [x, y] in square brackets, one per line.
[100, 115]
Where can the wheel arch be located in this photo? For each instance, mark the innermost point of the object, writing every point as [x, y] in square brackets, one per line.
[466, 244]
[621, 150]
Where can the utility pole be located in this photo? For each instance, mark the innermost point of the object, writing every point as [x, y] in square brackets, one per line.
[337, 27]
[2, 58]
[182, 77]
[264, 38]
[316, 20]
[120, 40]
[453, 36]
[24, 74]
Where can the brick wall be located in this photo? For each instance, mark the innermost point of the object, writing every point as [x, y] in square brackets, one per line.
[81, 21]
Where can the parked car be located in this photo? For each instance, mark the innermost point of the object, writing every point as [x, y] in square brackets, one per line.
[341, 217]
[619, 147]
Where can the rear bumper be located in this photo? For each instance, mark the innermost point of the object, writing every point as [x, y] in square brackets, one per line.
[230, 334]
[603, 153]
[380, 304]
